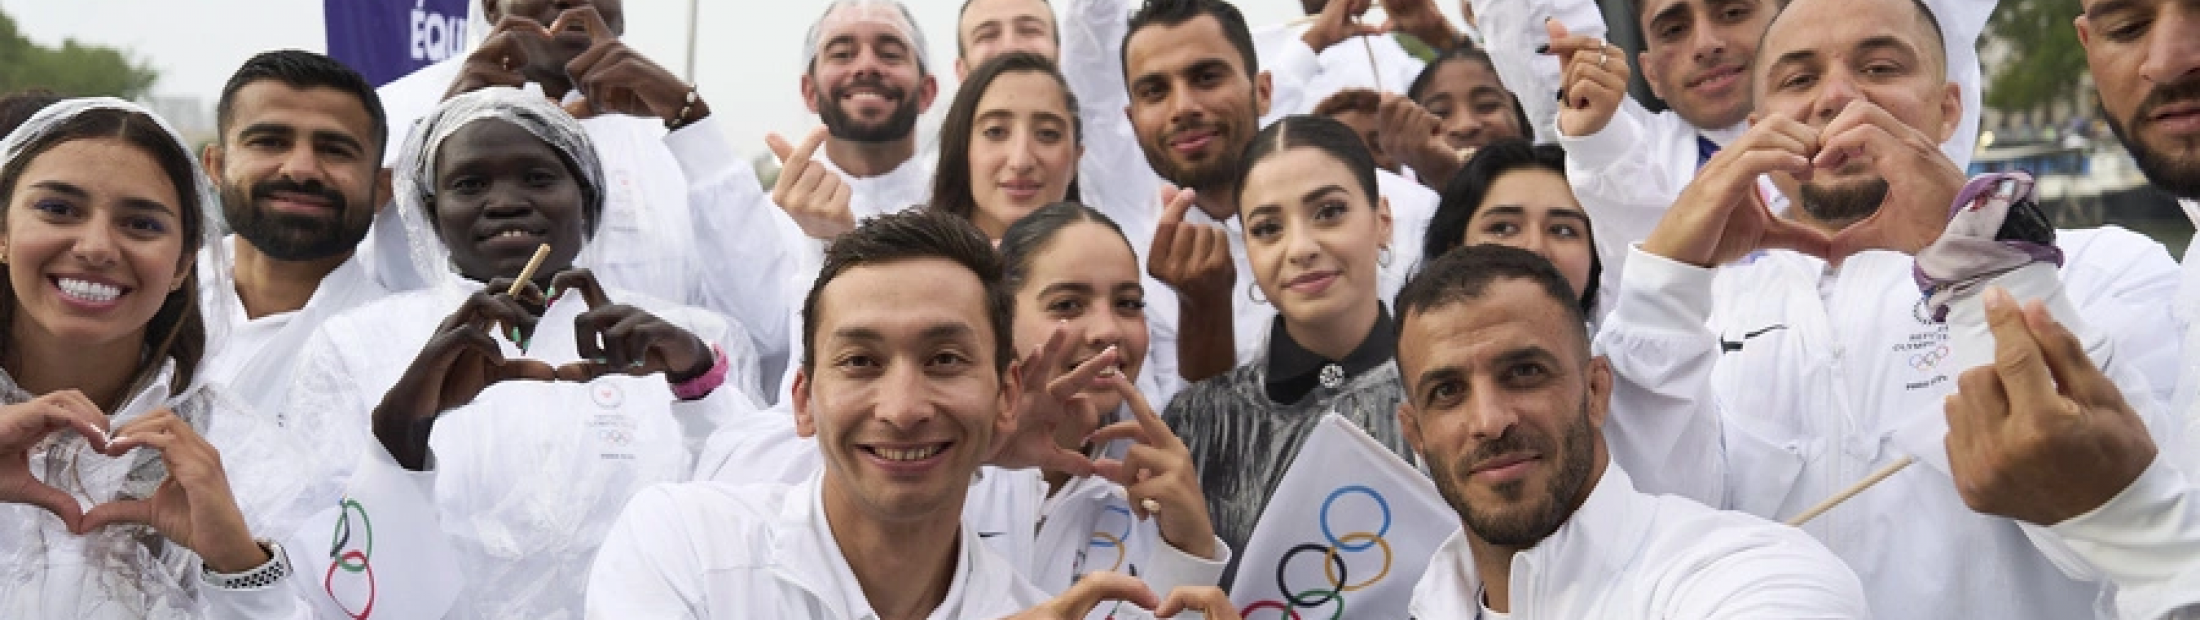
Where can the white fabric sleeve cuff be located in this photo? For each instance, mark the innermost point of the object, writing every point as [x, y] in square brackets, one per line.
[279, 601]
[1663, 294]
[1298, 63]
[702, 417]
[2147, 540]
[1621, 140]
[1169, 567]
[703, 152]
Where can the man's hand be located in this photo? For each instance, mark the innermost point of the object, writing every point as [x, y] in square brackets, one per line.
[1158, 469]
[502, 58]
[1593, 81]
[1047, 402]
[614, 79]
[1720, 217]
[808, 191]
[455, 366]
[193, 507]
[1339, 20]
[1192, 258]
[1421, 19]
[2041, 435]
[1921, 181]
[1412, 135]
[1089, 591]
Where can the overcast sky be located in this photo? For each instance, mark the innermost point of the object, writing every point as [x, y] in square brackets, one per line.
[747, 62]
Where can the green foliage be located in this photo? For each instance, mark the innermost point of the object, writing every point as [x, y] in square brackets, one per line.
[2045, 60]
[72, 70]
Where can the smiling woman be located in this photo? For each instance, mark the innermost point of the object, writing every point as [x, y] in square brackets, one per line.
[1010, 143]
[104, 212]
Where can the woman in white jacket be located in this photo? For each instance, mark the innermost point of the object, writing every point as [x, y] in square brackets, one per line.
[103, 406]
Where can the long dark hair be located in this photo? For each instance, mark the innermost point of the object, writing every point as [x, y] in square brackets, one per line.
[1464, 194]
[951, 183]
[1306, 130]
[177, 330]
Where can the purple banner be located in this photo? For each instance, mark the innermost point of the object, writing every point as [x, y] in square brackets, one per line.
[387, 39]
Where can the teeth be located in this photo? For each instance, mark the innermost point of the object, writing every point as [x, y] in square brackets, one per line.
[512, 233]
[1112, 370]
[90, 291]
[907, 454]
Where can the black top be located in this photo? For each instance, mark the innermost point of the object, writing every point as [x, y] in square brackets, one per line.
[1294, 371]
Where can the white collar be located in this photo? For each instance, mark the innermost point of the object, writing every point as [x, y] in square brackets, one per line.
[807, 549]
[1577, 562]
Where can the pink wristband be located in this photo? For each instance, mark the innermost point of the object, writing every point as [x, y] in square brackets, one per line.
[709, 381]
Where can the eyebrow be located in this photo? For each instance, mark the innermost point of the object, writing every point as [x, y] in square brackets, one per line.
[2106, 6]
[1523, 354]
[1671, 11]
[279, 129]
[131, 203]
[1887, 43]
[1066, 287]
[1514, 209]
[1044, 115]
[938, 331]
[1310, 196]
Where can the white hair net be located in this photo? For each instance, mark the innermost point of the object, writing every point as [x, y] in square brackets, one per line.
[415, 183]
[129, 571]
[841, 13]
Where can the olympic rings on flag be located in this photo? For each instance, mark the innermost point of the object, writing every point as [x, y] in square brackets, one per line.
[1334, 568]
[351, 561]
[1118, 538]
[1104, 539]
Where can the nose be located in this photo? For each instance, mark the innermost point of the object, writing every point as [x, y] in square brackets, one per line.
[1488, 416]
[1709, 45]
[904, 400]
[1835, 91]
[1022, 152]
[2173, 54]
[1299, 246]
[95, 245]
[1465, 128]
[505, 201]
[301, 165]
[1104, 328]
[1184, 110]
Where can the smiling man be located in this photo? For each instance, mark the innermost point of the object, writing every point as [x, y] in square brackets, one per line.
[1762, 363]
[1508, 407]
[298, 166]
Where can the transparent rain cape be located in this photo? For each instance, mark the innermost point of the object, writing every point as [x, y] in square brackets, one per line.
[128, 571]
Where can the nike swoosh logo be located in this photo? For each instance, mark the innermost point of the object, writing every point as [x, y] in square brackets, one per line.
[1730, 346]
[990, 534]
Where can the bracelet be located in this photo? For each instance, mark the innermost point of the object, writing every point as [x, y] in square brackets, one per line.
[267, 574]
[681, 120]
[708, 382]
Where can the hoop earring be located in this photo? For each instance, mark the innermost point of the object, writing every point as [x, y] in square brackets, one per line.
[1253, 293]
[1382, 256]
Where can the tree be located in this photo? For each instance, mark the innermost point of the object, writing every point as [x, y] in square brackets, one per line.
[73, 69]
[2045, 62]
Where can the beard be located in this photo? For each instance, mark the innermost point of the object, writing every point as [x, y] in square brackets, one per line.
[844, 126]
[1218, 170]
[2180, 176]
[293, 237]
[1536, 518]
[1842, 204]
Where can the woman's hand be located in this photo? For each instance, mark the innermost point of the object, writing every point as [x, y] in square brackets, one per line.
[193, 507]
[23, 426]
[1157, 473]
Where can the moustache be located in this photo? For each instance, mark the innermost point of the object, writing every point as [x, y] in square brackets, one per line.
[872, 82]
[1513, 441]
[2183, 91]
[266, 190]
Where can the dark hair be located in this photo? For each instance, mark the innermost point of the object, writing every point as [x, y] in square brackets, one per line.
[962, 51]
[1466, 273]
[951, 183]
[1034, 233]
[1418, 91]
[1464, 194]
[1176, 12]
[910, 235]
[303, 70]
[1306, 130]
[176, 330]
[18, 107]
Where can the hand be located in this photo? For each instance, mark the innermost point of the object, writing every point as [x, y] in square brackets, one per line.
[1421, 19]
[1921, 181]
[1047, 402]
[1194, 259]
[1593, 81]
[24, 426]
[1339, 20]
[2041, 435]
[622, 339]
[1412, 135]
[456, 365]
[193, 507]
[502, 58]
[614, 79]
[1209, 601]
[1089, 591]
[808, 191]
[1159, 468]
[1720, 217]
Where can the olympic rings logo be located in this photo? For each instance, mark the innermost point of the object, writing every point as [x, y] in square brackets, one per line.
[1929, 359]
[1102, 539]
[1332, 557]
[354, 561]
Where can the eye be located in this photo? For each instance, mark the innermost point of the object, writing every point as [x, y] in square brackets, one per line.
[1331, 210]
[1130, 306]
[995, 133]
[854, 363]
[1150, 92]
[1266, 228]
[469, 185]
[1051, 135]
[948, 361]
[1670, 32]
[1208, 78]
[1882, 69]
[54, 207]
[1568, 231]
[1066, 307]
[1735, 13]
[1501, 228]
[1799, 80]
[1525, 375]
[1443, 394]
[542, 178]
[145, 225]
[339, 152]
[265, 142]
[2125, 30]
[1441, 110]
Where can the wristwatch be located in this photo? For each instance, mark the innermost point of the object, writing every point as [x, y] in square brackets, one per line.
[270, 573]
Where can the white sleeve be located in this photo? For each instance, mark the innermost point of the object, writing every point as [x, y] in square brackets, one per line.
[642, 570]
[1778, 574]
[1169, 568]
[1292, 68]
[741, 256]
[1664, 426]
[2147, 541]
[1511, 32]
[1092, 56]
[282, 601]
[2113, 272]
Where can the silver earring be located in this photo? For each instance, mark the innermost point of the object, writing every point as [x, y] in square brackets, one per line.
[1382, 256]
[1253, 293]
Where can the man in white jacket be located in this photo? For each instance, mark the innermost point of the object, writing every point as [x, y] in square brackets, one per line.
[1506, 404]
[905, 382]
[1780, 378]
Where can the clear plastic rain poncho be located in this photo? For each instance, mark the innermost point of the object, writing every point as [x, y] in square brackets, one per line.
[129, 571]
[529, 475]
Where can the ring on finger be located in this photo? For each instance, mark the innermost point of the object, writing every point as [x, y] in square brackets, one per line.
[1603, 58]
[1152, 507]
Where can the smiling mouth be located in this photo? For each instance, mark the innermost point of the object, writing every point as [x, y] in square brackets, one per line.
[905, 455]
[88, 291]
[1721, 73]
[514, 233]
